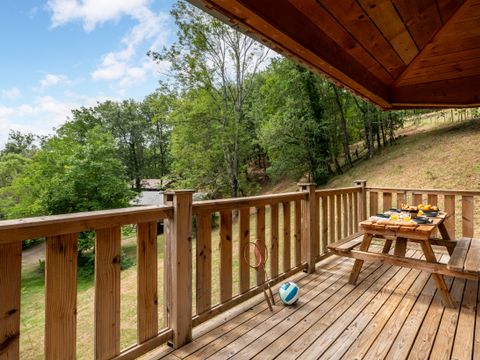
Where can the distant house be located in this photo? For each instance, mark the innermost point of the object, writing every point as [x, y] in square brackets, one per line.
[151, 194]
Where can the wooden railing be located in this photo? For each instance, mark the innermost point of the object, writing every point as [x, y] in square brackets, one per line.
[459, 204]
[248, 216]
[204, 269]
[60, 335]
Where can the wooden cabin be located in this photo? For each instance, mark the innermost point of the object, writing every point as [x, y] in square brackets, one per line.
[396, 53]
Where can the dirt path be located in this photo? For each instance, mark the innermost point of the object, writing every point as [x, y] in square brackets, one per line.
[32, 255]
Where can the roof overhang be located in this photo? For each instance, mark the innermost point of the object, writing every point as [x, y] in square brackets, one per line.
[396, 53]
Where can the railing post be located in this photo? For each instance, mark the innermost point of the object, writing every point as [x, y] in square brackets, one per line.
[362, 199]
[179, 273]
[309, 224]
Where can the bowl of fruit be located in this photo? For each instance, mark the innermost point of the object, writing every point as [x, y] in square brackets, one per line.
[428, 210]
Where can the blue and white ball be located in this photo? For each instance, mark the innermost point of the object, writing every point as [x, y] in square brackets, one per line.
[289, 292]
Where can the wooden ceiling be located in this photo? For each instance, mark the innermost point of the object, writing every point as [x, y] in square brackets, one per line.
[396, 53]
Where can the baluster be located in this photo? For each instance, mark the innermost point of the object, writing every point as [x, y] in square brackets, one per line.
[273, 240]
[147, 270]
[107, 292]
[204, 262]
[350, 213]
[324, 201]
[10, 289]
[225, 255]
[450, 220]
[345, 214]
[260, 224]
[61, 297]
[373, 203]
[331, 218]
[286, 237]
[467, 216]
[244, 237]
[387, 201]
[338, 216]
[298, 232]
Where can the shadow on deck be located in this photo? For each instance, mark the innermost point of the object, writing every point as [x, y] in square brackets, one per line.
[392, 313]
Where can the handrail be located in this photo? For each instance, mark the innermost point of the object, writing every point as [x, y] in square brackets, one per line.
[244, 202]
[425, 191]
[53, 225]
[334, 191]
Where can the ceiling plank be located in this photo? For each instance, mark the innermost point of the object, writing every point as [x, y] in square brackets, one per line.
[447, 8]
[437, 39]
[386, 18]
[457, 69]
[358, 24]
[421, 18]
[445, 93]
[327, 23]
[286, 31]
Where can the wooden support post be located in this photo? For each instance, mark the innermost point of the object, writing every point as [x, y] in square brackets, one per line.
[362, 199]
[310, 224]
[180, 251]
[61, 297]
[244, 237]
[10, 290]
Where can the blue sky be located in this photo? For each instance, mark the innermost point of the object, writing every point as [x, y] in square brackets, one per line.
[58, 55]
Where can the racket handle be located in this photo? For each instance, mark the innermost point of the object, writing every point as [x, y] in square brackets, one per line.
[268, 300]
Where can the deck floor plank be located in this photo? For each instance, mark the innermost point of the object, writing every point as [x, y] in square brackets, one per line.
[347, 326]
[392, 313]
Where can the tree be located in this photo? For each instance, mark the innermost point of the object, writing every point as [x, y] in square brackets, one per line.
[294, 130]
[223, 63]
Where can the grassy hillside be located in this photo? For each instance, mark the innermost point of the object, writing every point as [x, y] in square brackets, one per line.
[445, 156]
[427, 155]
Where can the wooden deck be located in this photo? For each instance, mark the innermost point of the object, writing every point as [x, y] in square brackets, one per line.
[392, 313]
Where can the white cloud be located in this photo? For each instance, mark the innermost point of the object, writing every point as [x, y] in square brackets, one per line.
[126, 67]
[11, 94]
[92, 12]
[53, 80]
[122, 65]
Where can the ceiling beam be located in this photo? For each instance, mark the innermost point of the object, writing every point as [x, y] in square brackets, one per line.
[462, 92]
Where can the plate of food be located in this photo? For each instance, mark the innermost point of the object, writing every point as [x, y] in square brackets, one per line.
[421, 220]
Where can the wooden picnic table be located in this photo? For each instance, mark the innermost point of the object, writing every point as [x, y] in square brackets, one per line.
[400, 233]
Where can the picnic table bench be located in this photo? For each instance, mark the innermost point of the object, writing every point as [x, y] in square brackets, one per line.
[464, 253]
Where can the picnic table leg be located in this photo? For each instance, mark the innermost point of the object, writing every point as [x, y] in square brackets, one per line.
[439, 280]
[387, 246]
[400, 247]
[357, 267]
[445, 235]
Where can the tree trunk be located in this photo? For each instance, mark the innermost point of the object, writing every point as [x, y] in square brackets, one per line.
[384, 137]
[343, 124]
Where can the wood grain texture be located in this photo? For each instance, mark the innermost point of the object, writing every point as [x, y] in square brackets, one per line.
[10, 277]
[421, 18]
[244, 236]
[286, 236]
[298, 233]
[450, 219]
[350, 213]
[327, 23]
[457, 259]
[387, 201]
[356, 208]
[61, 297]
[386, 18]
[225, 255]
[181, 267]
[354, 19]
[204, 262]
[323, 223]
[338, 217]
[344, 215]
[331, 219]
[260, 231]
[467, 216]
[472, 262]
[147, 281]
[107, 292]
[373, 203]
[274, 240]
